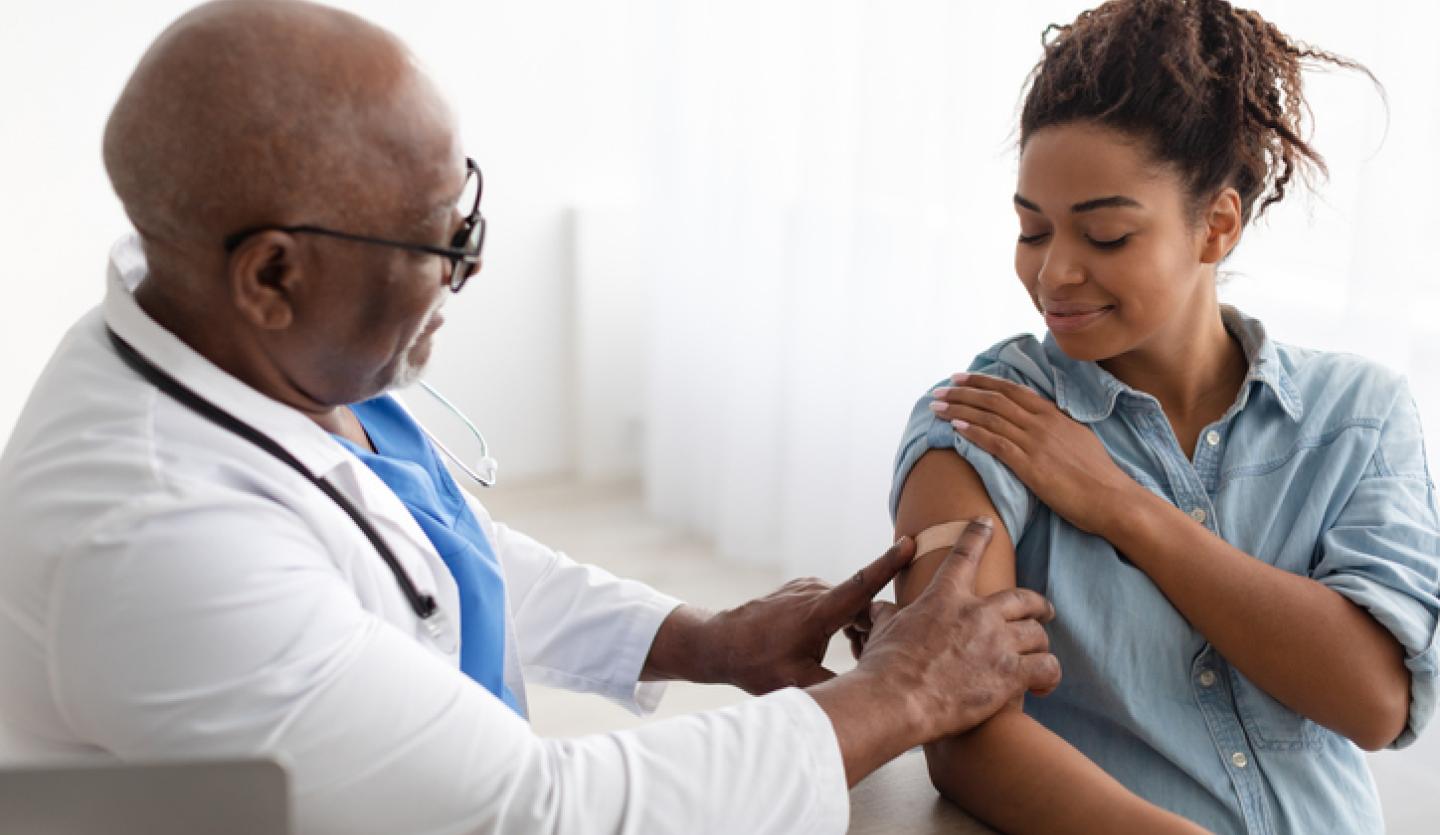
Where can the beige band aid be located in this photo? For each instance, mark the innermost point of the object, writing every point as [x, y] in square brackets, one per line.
[943, 535]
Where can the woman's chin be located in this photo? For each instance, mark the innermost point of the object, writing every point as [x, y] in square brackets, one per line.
[1084, 347]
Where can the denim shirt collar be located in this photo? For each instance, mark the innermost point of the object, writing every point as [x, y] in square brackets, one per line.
[1088, 393]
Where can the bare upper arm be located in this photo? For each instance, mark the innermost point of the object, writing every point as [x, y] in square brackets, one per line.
[943, 487]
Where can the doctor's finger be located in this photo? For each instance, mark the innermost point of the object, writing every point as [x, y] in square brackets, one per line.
[1020, 604]
[1029, 637]
[1040, 673]
[843, 602]
[857, 639]
[880, 614]
[864, 620]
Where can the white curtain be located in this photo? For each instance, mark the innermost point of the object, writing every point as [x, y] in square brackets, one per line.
[836, 236]
[835, 177]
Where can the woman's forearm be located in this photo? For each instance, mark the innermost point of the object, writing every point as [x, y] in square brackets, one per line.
[1020, 778]
[1303, 643]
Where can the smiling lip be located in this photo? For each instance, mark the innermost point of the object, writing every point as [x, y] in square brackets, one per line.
[1069, 319]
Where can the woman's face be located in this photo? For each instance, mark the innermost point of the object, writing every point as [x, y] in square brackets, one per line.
[1107, 250]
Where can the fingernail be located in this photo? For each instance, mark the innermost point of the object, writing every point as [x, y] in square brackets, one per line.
[957, 379]
[982, 522]
[938, 405]
[941, 392]
[959, 424]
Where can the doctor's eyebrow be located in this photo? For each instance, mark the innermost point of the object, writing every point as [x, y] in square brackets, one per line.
[1116, 201]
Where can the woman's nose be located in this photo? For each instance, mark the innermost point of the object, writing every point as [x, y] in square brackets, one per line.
[1060, 268]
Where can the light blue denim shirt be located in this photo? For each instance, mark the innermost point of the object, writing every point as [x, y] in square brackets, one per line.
[1319, 469]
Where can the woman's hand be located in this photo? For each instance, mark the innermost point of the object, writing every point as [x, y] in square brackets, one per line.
[1059, 459]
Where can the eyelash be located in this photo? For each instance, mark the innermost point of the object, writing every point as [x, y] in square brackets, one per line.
[1029, 240]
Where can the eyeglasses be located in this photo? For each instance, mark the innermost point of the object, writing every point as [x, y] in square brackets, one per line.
[464, 250]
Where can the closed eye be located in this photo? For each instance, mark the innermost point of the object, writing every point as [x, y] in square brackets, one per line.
[1033, 239]
[1114, 243]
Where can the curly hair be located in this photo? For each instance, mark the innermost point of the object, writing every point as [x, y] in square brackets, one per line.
[1212, 90]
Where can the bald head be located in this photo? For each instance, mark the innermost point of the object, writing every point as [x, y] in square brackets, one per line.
[261, 112]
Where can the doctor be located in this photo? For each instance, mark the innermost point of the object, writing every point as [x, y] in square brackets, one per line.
[219, 537]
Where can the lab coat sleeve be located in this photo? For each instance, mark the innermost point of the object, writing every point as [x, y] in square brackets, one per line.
[577, 626]
[220, 628]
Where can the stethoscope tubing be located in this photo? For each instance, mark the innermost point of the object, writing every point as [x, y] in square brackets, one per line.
[424, 605]
[486, 479]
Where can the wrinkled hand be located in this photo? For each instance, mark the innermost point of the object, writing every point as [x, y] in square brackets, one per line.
[780, 640]
[956, 657]
[1059, 459]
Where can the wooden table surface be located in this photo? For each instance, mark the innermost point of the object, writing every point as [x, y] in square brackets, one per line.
[899, 800]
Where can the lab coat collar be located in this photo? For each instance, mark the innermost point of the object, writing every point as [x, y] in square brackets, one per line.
[300, 435]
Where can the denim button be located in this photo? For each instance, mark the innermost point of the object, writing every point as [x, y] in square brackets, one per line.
[1207, 678]
[1239, 759]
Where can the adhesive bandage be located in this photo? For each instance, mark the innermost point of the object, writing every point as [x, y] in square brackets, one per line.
[943, 535]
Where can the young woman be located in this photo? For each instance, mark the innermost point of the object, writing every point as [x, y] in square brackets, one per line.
[1240, 536]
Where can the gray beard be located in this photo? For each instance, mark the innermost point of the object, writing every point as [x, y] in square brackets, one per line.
[407, 373]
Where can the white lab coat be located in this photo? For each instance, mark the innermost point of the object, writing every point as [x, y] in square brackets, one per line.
[169, 590]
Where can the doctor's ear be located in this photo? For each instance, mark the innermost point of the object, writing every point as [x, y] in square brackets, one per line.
[264, 272]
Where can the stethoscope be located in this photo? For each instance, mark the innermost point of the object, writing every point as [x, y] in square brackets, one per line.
[424, 605]
[485, 467]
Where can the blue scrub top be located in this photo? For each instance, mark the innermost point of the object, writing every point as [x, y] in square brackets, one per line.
[406, 461]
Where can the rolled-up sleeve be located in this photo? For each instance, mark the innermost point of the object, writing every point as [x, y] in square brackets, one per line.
[1383, 554]
[924, 432]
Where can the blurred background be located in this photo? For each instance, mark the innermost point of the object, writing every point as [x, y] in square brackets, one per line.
[732, 243]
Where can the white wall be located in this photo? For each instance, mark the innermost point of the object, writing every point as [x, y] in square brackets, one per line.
[545, 93]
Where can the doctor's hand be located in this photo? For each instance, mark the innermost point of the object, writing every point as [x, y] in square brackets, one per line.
[942, 665]
[774, 641]
[977, 652]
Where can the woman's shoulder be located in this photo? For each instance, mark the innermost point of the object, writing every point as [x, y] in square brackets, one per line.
[1334, 383]
[1023, 359]
[1022, 347]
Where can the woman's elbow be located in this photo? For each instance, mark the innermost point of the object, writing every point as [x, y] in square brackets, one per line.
[1383, 717]
[937, 763]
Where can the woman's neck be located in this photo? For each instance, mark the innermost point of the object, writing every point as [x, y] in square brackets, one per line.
[1195, 373]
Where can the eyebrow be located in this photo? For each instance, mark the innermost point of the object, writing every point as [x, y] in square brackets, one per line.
[1116, 201]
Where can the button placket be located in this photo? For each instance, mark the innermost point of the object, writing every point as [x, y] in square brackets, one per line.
[1217, 706]
[1188, 479]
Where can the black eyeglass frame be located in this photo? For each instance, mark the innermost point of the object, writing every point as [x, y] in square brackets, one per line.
[465, 245]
